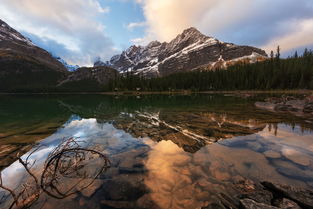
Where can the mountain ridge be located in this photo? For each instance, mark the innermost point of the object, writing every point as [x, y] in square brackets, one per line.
[188, 51]
[25, 67]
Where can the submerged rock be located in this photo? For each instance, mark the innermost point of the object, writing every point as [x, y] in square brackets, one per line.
[308, 108]
[261, 196]
[303, 198]
[251, 204]
[91, 189]
[287, 204]
[297, 104]
[296, 157]
[122, 190]
[272, 154]
[265, 105]
[268, 195]
[283, 107]
[287, 104]
[292, 170]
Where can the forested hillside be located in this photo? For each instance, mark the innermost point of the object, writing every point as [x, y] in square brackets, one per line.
[295, 72]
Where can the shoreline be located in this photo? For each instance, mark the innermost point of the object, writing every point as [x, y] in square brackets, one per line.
[305, 91]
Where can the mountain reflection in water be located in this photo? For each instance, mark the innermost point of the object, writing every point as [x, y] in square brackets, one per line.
[153, 152]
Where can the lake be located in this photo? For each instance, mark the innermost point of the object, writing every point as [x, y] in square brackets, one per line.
[146, 151]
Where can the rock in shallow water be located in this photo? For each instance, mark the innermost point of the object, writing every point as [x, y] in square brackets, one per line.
[303, 198]
[90, 190]
[296, 104]
[272, 154]
[292, 170]
[265, 105]
[122, 190]
[308, 108]
[287, 204]
[262, 196]
[282, 107]
[296, 157]
[251, 204]
[289, 104]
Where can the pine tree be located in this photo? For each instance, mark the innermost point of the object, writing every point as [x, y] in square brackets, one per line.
[278, 53]
[296, 55]
[306, 52]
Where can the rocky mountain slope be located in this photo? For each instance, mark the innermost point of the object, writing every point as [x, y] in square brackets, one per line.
[24, 66]
[14, 45]
[190, 50]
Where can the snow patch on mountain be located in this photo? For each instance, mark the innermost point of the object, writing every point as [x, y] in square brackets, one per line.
[9, 34]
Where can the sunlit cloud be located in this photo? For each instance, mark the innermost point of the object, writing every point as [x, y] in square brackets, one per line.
[72, 24]
[301, 37]
[261, 23]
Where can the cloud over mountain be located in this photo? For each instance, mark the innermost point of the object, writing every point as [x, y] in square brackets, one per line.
[69, 28]
[260, 22]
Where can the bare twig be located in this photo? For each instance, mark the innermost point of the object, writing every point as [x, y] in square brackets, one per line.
[66, 160]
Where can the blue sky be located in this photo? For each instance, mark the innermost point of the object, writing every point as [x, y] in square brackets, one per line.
[81, 30]
[121, 14]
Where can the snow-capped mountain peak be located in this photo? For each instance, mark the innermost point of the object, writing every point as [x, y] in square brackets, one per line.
[192, 33]
[187, 51]
[153, 44]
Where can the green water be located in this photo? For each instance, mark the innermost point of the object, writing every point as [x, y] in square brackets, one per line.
[165, 151]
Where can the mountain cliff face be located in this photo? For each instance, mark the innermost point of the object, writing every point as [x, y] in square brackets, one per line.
[190, 50]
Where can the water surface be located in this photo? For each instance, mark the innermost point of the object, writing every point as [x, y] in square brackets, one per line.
[153, 151]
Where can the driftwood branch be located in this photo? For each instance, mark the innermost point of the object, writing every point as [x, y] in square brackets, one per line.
[66, 160]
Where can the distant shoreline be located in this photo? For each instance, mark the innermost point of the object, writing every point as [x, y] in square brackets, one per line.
[125, 93]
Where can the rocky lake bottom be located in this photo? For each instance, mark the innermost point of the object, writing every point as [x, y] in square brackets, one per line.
[153, 151]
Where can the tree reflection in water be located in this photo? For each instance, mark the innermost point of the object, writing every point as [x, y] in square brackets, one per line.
[66, 171]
